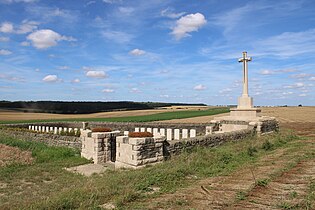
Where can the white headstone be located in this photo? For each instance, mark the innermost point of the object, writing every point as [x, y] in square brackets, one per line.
[137, 129]
[155, 131]
[40, 128]
[162, 131]
[47, 129]
[192, 133]
[51, 129]
[55, 130]
[142, 129]
[60, 129]
[209, 130]
[43, 129]
[176, 134]
[29, 127]
[184, 133]
[70, 130]
[169, 135]
[126, 133]
[149, 130]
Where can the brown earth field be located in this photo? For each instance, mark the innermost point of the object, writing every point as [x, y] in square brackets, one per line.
[10, 155]
[7, 115]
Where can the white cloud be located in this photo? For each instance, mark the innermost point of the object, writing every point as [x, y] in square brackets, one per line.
[96, 74]
[288, 44]
[76, 80]
[63, 67]
[200, 87]
[25, 44]
[126, 10]
[5, 52]
[6, 27]
[117, 36]
[225, 90]
[137, 52]
[287, 93]
[45, 38]
[17, 1]
[312, 78]
[51, 78]
[108, 91]
[168, 12]
[164, 96]
[300, 76]
[112, 1]
[187, 24]
[4, 39]
[295, 85]
[303, 95]
[135, 90]
[27, 26]
[266, 72]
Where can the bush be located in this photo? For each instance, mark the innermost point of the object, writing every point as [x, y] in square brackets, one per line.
[101, 129]
[251, 151]
[140, 134]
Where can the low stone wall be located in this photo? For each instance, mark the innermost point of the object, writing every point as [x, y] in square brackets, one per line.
[176, 147]
[49, 139]
[269, 126]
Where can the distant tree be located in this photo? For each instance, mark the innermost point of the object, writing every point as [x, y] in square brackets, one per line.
[300, 105]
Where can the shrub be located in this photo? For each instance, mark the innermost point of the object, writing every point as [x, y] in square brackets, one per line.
[251, 151]
[140, 134]
[101, 129]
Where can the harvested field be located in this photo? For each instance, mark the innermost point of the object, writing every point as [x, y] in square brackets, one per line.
[10, 155]
[7, 115]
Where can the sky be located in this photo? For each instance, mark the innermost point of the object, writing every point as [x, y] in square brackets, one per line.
[157, 50]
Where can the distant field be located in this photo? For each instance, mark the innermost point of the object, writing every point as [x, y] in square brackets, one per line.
[128, 116]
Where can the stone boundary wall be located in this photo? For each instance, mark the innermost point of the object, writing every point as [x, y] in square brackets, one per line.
[269, 126]
[212, 140]
[49, 139]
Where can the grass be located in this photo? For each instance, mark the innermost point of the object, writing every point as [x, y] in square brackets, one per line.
[145, 118]
[46, 185]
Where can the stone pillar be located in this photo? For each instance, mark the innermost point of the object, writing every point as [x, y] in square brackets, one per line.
[184, 133]
[84, 125]
[192, 133]
[209, 130]
[169, 135]
[176, 134]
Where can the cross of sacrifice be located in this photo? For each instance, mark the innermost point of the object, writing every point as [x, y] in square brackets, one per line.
[245, 59]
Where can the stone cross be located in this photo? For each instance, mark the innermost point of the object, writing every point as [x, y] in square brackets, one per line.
[245, 59]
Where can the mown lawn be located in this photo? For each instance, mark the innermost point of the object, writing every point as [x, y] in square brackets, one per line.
[47, 185]
[145, 118]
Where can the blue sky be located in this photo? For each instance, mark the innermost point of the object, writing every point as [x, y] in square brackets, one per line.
[157, 50]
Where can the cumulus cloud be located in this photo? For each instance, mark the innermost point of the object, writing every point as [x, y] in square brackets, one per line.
[51, 78]
[45, 38]
[108, 91]
[4, 39]
[6, 27]
[137, 52]
[295, 85]
[96, 74]
[312, 78]
[187, 24]
[168, 12]
[5, 52]
[200, 87]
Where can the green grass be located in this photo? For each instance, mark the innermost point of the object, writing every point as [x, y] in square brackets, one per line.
[46, 185]
[145, 118]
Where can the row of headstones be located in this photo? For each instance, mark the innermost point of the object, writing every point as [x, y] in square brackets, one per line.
[184, 134]
[54, 130]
